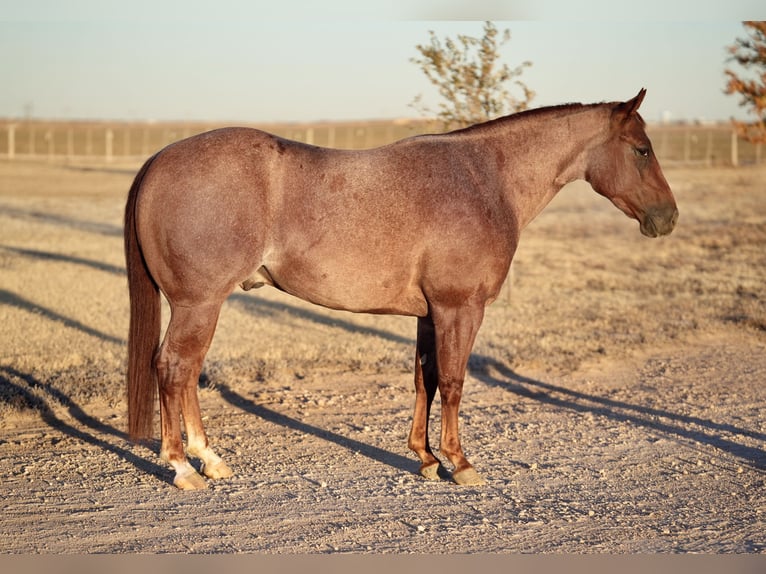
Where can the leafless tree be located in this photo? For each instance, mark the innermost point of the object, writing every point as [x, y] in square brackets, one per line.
[473, 83]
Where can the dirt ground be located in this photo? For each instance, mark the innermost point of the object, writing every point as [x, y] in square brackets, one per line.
[615, 401]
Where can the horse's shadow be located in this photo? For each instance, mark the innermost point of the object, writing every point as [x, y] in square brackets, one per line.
[493, 372]
[372, 452]
[486, 370]
[662, 421]
[25, 388]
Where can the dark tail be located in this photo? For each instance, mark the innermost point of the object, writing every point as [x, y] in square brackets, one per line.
[144, 334]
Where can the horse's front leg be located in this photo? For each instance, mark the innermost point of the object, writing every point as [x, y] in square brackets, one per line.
[426, 382]
[456, 330]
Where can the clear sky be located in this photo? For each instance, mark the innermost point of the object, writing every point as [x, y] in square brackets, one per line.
[298, 60]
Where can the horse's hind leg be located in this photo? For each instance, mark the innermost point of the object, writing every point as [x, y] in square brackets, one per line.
[196, 440]
[426, 382]
[179, 362]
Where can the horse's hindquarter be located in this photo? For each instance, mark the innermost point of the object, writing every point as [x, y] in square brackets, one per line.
[202, 211]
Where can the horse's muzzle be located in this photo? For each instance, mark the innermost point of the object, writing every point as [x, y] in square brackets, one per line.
[659, 221]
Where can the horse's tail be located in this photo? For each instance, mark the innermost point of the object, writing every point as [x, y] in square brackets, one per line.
[144, 334]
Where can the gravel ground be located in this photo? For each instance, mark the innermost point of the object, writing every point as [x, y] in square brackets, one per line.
[615, 402]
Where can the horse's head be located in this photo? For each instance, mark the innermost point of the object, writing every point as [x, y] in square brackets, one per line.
[625, 170]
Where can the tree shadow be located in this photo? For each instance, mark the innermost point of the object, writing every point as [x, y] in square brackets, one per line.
[663, 421]
[372, 452]
[97, 227]
[60, 257]
[23, 391]
[14, 300]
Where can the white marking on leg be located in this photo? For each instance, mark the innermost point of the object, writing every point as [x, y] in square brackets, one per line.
[186, 477]
[212, 464]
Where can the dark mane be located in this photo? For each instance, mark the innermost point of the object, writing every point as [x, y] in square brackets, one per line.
[526, 114]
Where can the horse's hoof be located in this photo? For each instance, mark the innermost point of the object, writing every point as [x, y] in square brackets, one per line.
[430, 471]
[218, 470]
[190, 481]
[468, 477]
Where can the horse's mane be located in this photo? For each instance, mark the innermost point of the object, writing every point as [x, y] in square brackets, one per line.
[556, 110]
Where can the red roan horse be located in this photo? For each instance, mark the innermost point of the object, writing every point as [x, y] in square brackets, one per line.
[425, 227]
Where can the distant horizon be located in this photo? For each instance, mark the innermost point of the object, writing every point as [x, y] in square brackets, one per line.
[230, 65]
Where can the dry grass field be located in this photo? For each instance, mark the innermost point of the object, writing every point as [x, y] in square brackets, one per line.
[615, 401]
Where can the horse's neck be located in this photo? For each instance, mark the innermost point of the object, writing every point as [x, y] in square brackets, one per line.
[550, 149]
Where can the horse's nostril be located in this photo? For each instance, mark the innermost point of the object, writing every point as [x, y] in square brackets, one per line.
[671, 222]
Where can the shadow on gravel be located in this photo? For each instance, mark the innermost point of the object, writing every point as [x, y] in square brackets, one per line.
[101, 169]
[63, 258]
[719, 435]
[377, 454]
[38, 216]
[18, 386]
[14, 300]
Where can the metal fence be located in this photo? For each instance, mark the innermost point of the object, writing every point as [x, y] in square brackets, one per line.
[703, 145]
[132, 141]
[116, 141]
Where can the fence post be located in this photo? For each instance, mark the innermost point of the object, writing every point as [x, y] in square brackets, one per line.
[32, 150]
[70, 144]
[109, 138]
[126, 142]
[734, 150]
[89, 142]
[49, 138]
[11, 141]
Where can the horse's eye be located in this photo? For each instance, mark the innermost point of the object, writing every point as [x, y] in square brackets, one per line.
[641, 151]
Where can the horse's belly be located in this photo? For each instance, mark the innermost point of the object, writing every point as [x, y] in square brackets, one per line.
[358, 289]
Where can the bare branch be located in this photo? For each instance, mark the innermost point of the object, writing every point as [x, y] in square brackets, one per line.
[470, 78]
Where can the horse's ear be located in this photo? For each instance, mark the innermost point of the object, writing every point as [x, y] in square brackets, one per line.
[627, 109]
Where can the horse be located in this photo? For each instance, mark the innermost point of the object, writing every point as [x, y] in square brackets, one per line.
[426, 226]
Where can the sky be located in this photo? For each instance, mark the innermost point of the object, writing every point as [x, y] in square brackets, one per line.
[297, 60]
